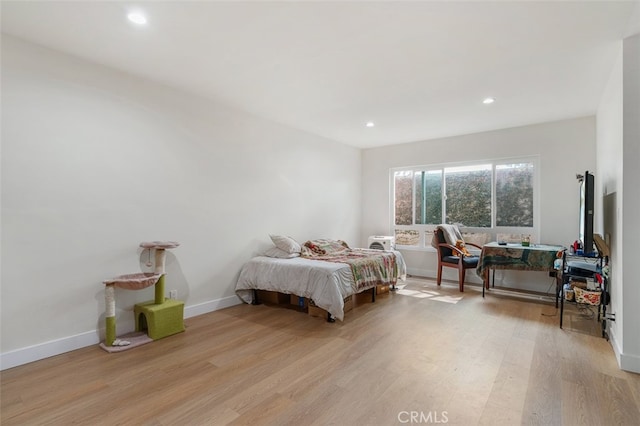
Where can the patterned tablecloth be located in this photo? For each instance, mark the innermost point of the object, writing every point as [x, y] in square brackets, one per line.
[538, 257]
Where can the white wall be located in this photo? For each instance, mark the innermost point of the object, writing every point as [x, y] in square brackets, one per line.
[631, 178]
[609, 185]
[564, 148]
[618, 148]
[95, 161]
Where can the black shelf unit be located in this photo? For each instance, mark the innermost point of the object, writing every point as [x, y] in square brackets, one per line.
[600, 262]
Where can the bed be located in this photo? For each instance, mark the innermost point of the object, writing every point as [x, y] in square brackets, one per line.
[320, 270]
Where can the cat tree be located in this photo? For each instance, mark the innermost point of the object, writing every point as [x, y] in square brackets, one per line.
[159, 318]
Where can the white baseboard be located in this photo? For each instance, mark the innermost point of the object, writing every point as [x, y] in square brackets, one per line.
[424, 273]
[211, 306]
[630, 363]
[613, 341]
[447, 275]
[626, 362]
[48, 349]
[66, 344]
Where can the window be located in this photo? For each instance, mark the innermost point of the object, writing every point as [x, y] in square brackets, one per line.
[404, 190]
[483, 199]
[514, 194]
[428, 200]
[468, 195]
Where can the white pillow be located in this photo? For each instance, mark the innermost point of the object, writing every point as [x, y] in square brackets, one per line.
[287, 244]
[280, 254]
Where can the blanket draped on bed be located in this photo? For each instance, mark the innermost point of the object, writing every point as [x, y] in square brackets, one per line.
[369, 267]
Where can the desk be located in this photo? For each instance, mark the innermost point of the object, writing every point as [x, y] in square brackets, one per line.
[538, 257]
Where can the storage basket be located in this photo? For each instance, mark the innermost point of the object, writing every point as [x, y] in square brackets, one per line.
[577, 283]
[586, 296]
[569, 295]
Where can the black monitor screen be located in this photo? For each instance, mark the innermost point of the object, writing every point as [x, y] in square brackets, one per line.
[586, 213]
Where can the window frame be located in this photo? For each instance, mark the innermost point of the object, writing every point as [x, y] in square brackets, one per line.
[426, 230]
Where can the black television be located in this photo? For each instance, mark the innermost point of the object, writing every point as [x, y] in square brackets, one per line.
[587, 193]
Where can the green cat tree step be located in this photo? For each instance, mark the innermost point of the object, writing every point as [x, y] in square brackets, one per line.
[162, 320]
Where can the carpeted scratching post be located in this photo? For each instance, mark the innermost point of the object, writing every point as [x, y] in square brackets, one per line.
[159, 291]
[160, 257]
[110, 314]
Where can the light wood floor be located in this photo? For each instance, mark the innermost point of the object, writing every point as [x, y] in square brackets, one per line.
[461, 361]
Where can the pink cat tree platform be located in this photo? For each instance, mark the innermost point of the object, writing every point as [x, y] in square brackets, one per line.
[154, 319]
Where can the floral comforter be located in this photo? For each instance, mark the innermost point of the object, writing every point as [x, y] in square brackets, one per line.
[369, 267]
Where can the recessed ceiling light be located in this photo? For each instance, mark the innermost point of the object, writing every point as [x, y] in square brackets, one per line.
[370, 124]
[137, 18]
[488, 101]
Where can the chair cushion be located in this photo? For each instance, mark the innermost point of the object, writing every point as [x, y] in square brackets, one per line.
[469, 261]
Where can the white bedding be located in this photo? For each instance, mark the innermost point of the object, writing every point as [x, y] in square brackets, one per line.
[326, 283]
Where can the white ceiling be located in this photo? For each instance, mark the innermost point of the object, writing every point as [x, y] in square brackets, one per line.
[419, 70]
